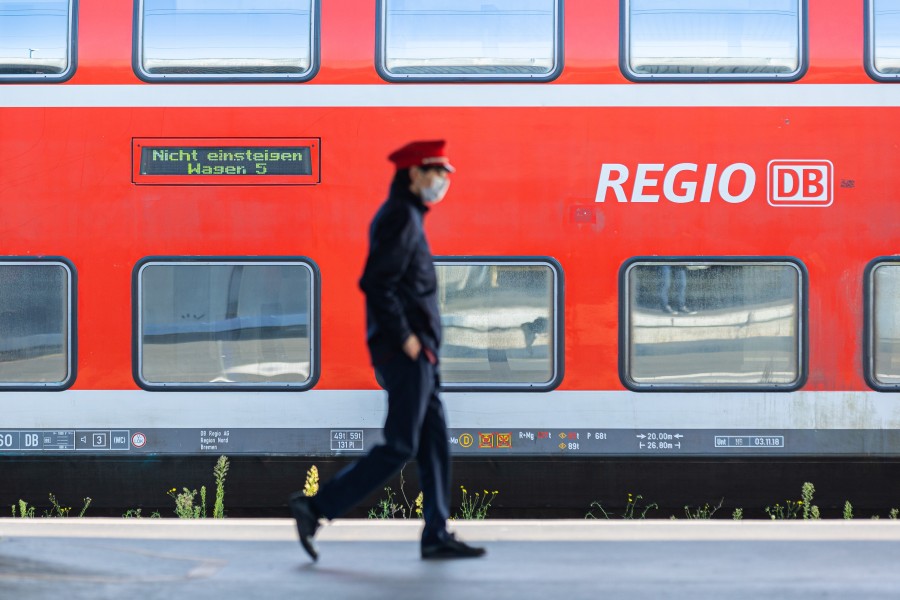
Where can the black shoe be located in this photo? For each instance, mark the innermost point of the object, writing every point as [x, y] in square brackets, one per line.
[307, 522]
[450, 547]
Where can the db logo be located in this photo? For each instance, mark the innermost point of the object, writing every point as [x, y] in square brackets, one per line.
[801, 183]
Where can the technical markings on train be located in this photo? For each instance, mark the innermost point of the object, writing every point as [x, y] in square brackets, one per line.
[214, 439]
[64, 440]
[659, 440]
[347, 439]
[755, 442]
[570, 440]
[502, 440]
[523, 440]
[319, 441]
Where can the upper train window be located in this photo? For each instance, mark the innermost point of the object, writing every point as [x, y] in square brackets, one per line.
[454, 40]
[37, 324]
[226, 40]
[37, 40]
[882, 364]
[502, 323]
[713, 39]
[691, 324]
[226, 324]
[883, 39]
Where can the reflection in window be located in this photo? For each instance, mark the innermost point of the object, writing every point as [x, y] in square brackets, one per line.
[713, 324]
[252, 39]
[885, 338]
[462, 38]
[498, 323]
[225, 325]
[714, 38]
[35, 300]
[35, 38]
[884, 33]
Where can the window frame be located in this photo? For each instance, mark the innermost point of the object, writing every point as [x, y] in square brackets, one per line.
[314, 323]
[70, 336]
[384, 73]
[802, 323]
[137, 55]
[869, 52]
[628, 73]
[72, 50]
[557, 353]
[869, 323]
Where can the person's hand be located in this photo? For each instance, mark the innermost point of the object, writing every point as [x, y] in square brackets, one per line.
[412, 347]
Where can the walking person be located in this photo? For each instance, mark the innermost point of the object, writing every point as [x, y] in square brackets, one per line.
[404, 337]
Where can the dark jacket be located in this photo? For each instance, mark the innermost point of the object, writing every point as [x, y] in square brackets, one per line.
[399, 279]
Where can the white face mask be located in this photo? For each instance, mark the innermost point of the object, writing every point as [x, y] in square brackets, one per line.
[436, 191]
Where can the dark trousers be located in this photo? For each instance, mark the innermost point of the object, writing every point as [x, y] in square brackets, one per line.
[415, 428]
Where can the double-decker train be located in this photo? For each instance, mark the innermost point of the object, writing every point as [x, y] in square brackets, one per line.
[668, 262]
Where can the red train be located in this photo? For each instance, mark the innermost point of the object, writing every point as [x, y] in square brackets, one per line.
[670, 241]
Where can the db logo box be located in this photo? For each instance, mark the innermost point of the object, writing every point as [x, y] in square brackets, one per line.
[801, 183]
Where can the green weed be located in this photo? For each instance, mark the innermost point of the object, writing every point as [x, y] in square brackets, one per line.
[475, 506]
[790, 510]
[185, 507]
[25, 511]
[184, 503]
[848, 510]
[55, 510]
[311, 487]
[633, 509]
[810, 510]
[703, 512]
[388, 507]
[219, 472]
[135, 513]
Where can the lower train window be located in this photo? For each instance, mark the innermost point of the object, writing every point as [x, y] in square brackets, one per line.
[37, 324]
[883, 324]
[704, 324]
[37, 40]
[883, 39]
[226, 324]
[713, 39]
[263, 40]
[501, 323]
[470, 39]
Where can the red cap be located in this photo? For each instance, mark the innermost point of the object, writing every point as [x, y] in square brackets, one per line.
[422, 154]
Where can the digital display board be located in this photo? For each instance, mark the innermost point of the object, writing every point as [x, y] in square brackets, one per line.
[260, 161]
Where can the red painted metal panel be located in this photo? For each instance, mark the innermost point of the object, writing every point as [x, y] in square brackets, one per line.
[526, 185]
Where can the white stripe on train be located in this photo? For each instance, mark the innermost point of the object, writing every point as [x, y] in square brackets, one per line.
[560, 409]
[450, 95]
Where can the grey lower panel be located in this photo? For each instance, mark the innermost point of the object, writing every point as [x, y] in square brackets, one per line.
[463, 442]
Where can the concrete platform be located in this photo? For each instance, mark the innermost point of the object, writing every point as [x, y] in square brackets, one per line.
[164, 559]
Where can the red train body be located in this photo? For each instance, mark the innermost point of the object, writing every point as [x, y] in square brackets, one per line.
[588, 172]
